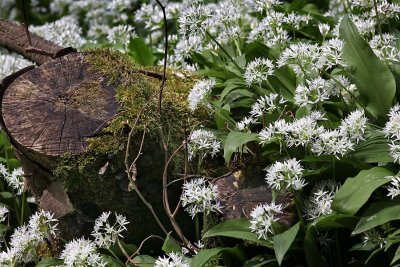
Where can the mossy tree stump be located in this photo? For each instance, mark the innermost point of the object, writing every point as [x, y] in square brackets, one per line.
[55, 115]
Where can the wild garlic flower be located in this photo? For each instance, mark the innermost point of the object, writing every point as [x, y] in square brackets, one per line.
[297, 21]
[262, 5]
[394, 187]
[302, 57]
[317, 90]
[386, 48]
[287, 174]
[81, 252]
[258, 70]
[199, 195]
[394, 151]
[64, 32]
[43, 224]
[203, 142]
[244, 124]
[121, 35]
[105, 232]
[199, 93]
[324, 29]
[274, 132]
[320, 200]
[331, 54]
[186, 46]
[171, 260]
[386, 10]
[354, 125]
[15, 179]
[195, 20]
[366, 26]
[373, 237]
[3, 214]
[266, 104]
[392, 127]
[262, 218]
[10, 63]
[301, 132]
[332, 142]
[23, 244]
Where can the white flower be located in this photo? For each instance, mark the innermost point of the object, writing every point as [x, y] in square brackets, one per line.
[287, 174]
[3, 213]
[195, 20]
[258, 71]
[266, 104]
[386, 48]
[317, 90]
[331, 54]
[332, 142]
[10, 63]
[171, 260]
[105, 232]
[244, 124]
[394, 150]
[320, 200]
[394, 187]
[122, 35]
[16, 180]
[199, 195]
[303, 131]
[373, 237]
[43, 223]
[354, 125]
[199, 93]
[203, 142]
[274, 132]
[81, 252]
[269, 32]
[263, 5]
[392, 127]
[23, 245]
[297, 21]
[324, 29]
[301, 57]
[261, 219]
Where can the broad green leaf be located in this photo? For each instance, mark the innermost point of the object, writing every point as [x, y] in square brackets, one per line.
[236, 94]
[255, 50]
[373, 78]
[229, 254]
[112, 262]
[377, 214]
[235, 140]
[170, 245]
[237, 228]
[331, 221]
[261, 261]
[6, 195]
[144, 261]
[50, 262]
[356, 191]
[140, 52]
[311, 249]
[282, 242]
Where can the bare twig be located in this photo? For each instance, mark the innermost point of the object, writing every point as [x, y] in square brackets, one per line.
[130, 259]
[165, 55]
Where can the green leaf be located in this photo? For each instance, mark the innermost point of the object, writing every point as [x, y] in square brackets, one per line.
[144, 261]
[357, 190]
[205, 255]
[6, 195]
[377, 214]
[236, 228]
[261, 261]
[373, 78]
[129, 248]
[235, 140]
[111, 261]
[311, 249]
[282, 242]
[396, 256]
[170, 245]
[50, 262]
[331, 221]
[140, 52]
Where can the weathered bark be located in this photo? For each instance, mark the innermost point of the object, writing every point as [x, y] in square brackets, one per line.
[13, 37]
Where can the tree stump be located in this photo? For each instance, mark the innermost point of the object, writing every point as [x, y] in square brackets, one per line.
[50, 113]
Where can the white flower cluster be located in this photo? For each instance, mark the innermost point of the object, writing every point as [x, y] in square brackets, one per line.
[121, 35]
[10, 63]
[64, 32]
[392, 131]
[3, 214]
[306, 132]
[317, 91]
[386, 48]
[25, 239]
[320, 200]
[203, 142]
[199, 93]
[262, 218]
[200, 195]
[105, 232]
[171, 260]
[258, 70]
[15, 179]
[287, 174]
[394, 187]
[81, 252]
[374, 237]
[266, 104]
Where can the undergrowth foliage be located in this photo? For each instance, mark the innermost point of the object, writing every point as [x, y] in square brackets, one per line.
[306, 90]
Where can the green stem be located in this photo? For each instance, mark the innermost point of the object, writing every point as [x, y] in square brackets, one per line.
[115, 256]
[296, 200]
[225, 52]
[378, 19]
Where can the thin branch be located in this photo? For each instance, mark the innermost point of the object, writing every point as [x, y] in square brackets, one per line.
[130, 259]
